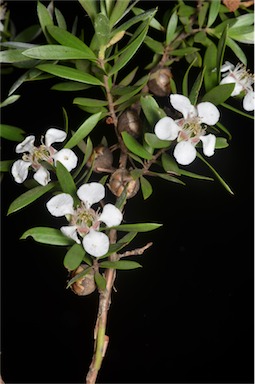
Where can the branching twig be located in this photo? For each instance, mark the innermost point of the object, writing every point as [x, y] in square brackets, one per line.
[135, 252]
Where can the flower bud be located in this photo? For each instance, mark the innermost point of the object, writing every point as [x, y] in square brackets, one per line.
[159, 83]
[103, 159]
[119, 180]
[86, 285]
[129, 121]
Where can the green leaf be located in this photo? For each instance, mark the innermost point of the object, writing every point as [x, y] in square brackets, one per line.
[69, 73]
[118, 11]
[213, 12]
[122, 264]
[136, 19]
[138, 227]
[100, 281]
[151, 109]
[74, 257]
[194, 93]
[210, 63]
[44, 18]
[28, 34]
[221, 142]
[185, 81]
[12, 56]
[125, 57]
[146, 187]
[46, 235]
[66, 181]
[221, 51]
[90, 7]
[169, 164]
[55, 52]
[83, 130]
[132, 145]
[216, 174]
[70, 86]
[237, 111]
[237, 50]
[60, 19]
[202, 13]
[194, 175]
[29, 197]
[184, 51]
[69, 40]
[12, 133]
[154, 45]
[154, 142]
[126, 239]
[5, 165]
[219, 94]
[9, 100]
[171, 27]
[89, 102]
[102, 29]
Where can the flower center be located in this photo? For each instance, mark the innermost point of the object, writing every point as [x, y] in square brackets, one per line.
[191, 129]
[84, 219]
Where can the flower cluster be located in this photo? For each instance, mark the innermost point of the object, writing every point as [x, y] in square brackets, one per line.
[84, 222]
[190, 129]
[243, 83]
[35, 157]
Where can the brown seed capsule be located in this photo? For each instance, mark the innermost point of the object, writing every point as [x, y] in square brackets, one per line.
[119, 179]
[86, 285]
[103, 159]
[159, 83]
[129, 121]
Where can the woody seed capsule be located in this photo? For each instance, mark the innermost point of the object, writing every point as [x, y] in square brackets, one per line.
[103, 159]
[129, 121]
[86, 285]
[159, 83]
[119, 180]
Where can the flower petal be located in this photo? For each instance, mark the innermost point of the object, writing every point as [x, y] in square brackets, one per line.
[208, 113]
[71, 231]
[185, 153]
[19, 170]
[208, 144]
[227, 66]
[111, 215]
[248, 101]
[166, 129]
[42, 176]
[26, 145]
[60, 205]
[230, 79]
[54, 135]
[66, 157]
[96, 243]
[182, 104]
[91, 193]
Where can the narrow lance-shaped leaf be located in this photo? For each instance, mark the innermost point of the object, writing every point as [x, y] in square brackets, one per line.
[56, 52]
[100, 281]
[29, 197]
[68, 39]
[146, 187]
[151, 109]
[154, 142]
[210, 64]
[134, 146]
[74, 257]
[66, 182]
[171, 27]
[69, 73]
[122, 265]
[213, 12]
[221, 51]
[83, 130]
[46, 235]
[219, 94]
[91, 7]
[10, 132]
[138, 227]
[9, 100]
[44, 18]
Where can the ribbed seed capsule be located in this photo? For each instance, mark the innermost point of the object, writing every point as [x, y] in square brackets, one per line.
[119, 180]
[103, 159]
[159, 83]
[86, 285]
[129, 121]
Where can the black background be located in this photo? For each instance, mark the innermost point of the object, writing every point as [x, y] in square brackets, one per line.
[185, 317]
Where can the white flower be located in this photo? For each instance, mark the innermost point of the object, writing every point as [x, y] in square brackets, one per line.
[84, 221]
[243, 81]
[190, 129]
[34, 157]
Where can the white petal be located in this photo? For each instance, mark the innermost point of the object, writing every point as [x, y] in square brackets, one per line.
[42, 176]
[208, 113]
[26, 145]
[96, 243]
[227, 66]
[248, 101]
[91, 193]
[54, 135]
[66, 157]
[182, 104]
[111, 215]
[71, 231]
[166, 129]
[185, 153]
[60, 205]
[19, 170]
[208, 144]
[230, 79]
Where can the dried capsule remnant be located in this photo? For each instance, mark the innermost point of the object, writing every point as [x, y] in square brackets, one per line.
[85, 285]
[121, 179]
[129, 121]
[159, 83]
[103, 159]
